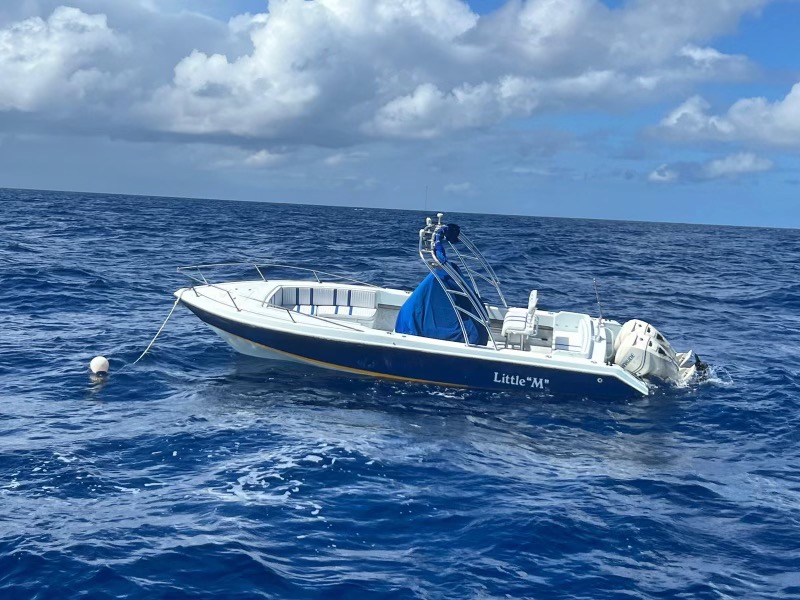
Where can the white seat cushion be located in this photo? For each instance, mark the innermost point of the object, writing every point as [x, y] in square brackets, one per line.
[516, 321]
[572, 332]
[292, 296]
[327, 302]
[363, 298]
[323, 296]
[345, 311]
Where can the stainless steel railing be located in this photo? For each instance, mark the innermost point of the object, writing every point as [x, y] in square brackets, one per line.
[197, 275]
[484, 272]
[261, 268]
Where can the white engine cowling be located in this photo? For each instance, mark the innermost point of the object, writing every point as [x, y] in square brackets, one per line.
[646, 356]
[642, 328]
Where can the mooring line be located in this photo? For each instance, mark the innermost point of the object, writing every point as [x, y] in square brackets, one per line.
[153, 341]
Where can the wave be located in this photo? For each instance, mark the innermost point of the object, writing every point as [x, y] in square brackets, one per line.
[202, 473]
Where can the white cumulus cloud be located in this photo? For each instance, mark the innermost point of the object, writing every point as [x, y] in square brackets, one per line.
[752, 119]
[737, 164]
[663, 174]
[728, 167]
[44, 63]
[328, 60]
[335, 73]
[263, 158]
[338, 71]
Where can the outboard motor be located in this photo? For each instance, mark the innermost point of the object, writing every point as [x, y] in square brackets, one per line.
[642, 328]
[642, 350]
[646, 356]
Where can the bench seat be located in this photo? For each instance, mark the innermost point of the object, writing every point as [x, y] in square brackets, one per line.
[344, 303]
[572, 332]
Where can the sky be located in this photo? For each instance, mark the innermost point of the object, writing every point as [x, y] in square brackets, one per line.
[679, 110]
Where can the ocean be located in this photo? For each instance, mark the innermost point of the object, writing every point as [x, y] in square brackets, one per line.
[200, 473]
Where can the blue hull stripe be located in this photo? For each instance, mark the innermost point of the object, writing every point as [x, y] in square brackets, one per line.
[423, 367]
[327, 365]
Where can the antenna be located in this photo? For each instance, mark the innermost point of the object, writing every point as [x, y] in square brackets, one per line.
[426, 198]
[599, 308]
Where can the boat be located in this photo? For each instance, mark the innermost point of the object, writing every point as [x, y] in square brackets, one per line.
[454, 330]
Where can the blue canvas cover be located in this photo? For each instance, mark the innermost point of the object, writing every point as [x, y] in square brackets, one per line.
[428, 313]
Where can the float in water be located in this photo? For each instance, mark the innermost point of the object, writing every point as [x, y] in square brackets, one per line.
[454, 330]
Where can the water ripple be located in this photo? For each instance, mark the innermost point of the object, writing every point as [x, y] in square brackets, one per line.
[203, 474]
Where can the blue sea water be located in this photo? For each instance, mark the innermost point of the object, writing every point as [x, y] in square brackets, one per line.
[199, 473]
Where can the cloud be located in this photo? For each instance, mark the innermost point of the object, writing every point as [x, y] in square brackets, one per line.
[335, 73]
[567, 37]
[463, 188]
[332, 72]
[44, 63]
[340, 158]
[327, 62]
[737, 164]
[729, 167]
[536, 171]
[238, 158]
[263, 158]
[751, 119]
[663, 174]
[429, 112]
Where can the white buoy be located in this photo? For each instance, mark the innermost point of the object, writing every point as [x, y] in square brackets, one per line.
[99, 365]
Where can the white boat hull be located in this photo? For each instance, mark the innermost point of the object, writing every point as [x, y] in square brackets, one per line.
[239, 314]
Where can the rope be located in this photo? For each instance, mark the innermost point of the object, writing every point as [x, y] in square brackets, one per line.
[153, 341]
